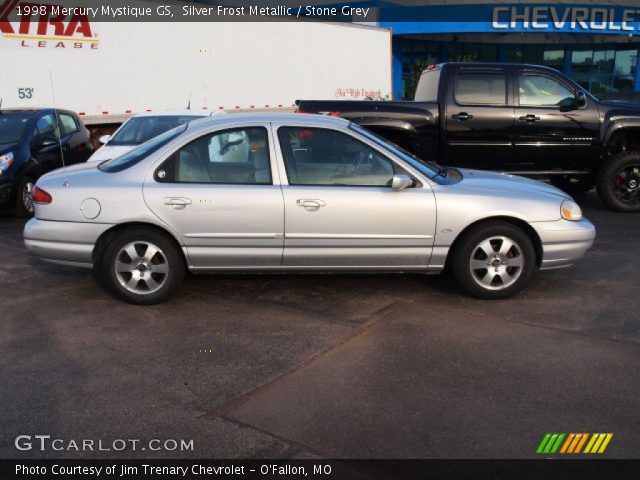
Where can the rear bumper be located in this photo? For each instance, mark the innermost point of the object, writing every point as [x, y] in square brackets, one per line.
[563, 241]
[68, 243]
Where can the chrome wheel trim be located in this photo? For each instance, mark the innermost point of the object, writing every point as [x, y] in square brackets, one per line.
[496, 263]
[27, 196]
[141, 268]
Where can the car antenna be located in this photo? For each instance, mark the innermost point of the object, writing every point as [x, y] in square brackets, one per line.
[55, 113]
[189, 104]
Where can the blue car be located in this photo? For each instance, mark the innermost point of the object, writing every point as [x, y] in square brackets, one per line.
[32, 143]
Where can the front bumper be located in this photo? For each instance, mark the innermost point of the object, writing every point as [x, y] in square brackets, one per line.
[564, 241]
[69, 243]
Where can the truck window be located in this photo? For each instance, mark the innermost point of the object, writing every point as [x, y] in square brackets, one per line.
[427, 89]
[542, 91]
[481, 89]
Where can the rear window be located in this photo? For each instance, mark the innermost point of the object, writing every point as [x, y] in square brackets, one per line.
[481, 89]
[141, 129]
[427, 89]
[139, 153]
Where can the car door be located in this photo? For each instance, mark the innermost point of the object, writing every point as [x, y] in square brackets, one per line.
[45, 144]
[552, 132]
[74, 146]
[340, 210]
[479, 122]
[219, 193]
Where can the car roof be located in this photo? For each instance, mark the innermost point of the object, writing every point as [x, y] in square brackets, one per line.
[293, 118]
[177, 112]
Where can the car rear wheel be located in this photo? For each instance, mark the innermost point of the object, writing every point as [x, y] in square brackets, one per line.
[494, 260]
[573, 184]
[24, 199]
[142, 266]
[619, 182]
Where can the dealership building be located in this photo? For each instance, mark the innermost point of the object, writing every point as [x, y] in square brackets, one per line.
[594, 43]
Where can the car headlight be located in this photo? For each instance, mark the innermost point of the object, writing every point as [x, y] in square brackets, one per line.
[5, 161]
[570, 211]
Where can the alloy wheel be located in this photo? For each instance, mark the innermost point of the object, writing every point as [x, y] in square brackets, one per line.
[27, 196]
[626, 185]
[496, 263]
[141, 267]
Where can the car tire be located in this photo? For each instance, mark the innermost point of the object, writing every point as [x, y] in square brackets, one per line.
[573, 184]
[619, 182]
[24, 202]
[494, 260]
[142, 266]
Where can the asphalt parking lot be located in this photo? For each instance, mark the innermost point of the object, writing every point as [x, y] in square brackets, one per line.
[354, 366]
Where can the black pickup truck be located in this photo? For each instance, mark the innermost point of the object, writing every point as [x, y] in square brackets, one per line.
[522, 119]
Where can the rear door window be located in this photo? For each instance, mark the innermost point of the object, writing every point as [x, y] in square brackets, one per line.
[238, 156]
[476, 88]
[68, 124]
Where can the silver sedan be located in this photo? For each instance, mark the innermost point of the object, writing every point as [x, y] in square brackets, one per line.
[296, 193]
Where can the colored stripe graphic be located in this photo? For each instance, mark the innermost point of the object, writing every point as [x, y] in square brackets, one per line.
[573, 443]
[550, 443]
[598, 442]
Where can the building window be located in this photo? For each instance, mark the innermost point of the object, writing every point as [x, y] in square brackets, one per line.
[604, 70]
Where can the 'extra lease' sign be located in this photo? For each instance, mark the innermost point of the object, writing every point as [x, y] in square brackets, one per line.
[46, 26]
[566, 18]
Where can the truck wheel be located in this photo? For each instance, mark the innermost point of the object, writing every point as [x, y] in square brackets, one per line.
[494, 260]
[24, 201]
[573, 184]
[619, 182]
[141, 266]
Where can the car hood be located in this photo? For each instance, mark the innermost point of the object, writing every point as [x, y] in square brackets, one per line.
[107, 152]
[507, 184]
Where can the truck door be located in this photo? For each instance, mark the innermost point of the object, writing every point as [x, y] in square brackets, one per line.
[479, 119]
[552, 132]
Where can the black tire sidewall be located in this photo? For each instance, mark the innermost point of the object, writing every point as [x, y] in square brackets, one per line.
[174, 258]
[464, 249]
[19, 210]
[607, 176]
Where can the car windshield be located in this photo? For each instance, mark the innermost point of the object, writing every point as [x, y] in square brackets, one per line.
[141, 129]
[430, 169]
[137, 154]
[12, 125]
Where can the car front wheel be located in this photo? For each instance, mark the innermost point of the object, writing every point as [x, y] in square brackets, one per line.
[24, 199]
[494, 260]
[141, 266]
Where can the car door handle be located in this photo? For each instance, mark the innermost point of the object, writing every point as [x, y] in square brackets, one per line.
[177, 201]
[462, 116]
[529, 118]
[310, 204]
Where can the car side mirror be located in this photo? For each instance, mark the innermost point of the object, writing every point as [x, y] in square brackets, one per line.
[104, 139]
[400, 182]
[581, 99]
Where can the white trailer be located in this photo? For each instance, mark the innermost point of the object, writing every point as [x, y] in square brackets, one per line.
[108, 70]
